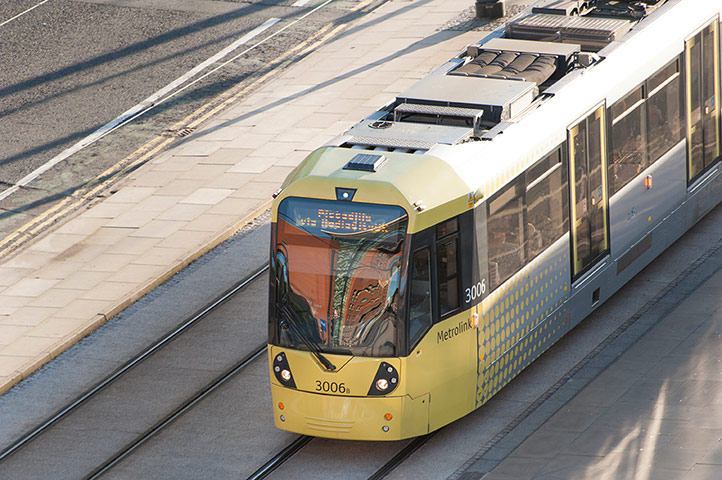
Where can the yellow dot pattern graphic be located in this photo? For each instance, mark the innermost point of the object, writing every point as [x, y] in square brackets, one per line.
[521, 319]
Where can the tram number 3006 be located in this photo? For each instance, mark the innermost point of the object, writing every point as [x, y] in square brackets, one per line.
[332, 387]
[475, 291]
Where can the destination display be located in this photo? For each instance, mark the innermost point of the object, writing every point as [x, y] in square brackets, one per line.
[341, 217]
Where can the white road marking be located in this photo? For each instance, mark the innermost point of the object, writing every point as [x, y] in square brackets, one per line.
[23, 13]
[133, 112]
[300, 3]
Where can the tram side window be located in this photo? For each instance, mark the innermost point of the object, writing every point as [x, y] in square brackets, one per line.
[645, 125]
[420, 297]
[627, 140]
[506, 233]
[664, 110]
[546, 193]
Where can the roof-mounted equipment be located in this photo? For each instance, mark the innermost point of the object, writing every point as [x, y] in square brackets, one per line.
[562, 7]
[592, 33]
[513, 59]
[366, 162]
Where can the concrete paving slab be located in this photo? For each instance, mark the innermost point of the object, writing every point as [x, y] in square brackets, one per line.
[178, 163]
[60, 268]
[131, 195]
[131, 219]
[231, 206]
[230, 180]
[210, 223]
[109, 291]
[8, 276]
[161, 255]
[181, 187]
[251, 140]
[195, 148]
[57, 242]
[29, 287]
[207, 196]
[183, 212]
[29, 260]
[258, 190]
[294, 158]
[54, 298]
[58, 327]
[174, 244]
[203, 171]
[29, 346]
[229, 156]
[107, 210]
[108, 262]
[152, 178]
[6, 311]
[10, 365]
[83, 308]
[83, 280]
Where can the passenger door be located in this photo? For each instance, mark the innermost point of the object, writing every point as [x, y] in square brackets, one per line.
[588, 190]
[703, 91]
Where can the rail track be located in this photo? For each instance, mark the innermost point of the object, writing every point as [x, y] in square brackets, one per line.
[158, 427]
[299, 443]
[122, 372]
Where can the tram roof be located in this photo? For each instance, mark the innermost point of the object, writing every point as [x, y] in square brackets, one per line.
[472, 132]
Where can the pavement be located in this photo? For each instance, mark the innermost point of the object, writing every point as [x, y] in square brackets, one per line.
[651, 409]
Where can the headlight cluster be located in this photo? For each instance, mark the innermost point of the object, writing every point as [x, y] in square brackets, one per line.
[283, 371]
[385, 381]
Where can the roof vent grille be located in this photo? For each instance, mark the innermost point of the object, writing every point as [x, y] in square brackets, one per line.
[366, 162]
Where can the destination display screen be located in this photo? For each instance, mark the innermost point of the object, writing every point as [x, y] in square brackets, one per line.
[335, 217]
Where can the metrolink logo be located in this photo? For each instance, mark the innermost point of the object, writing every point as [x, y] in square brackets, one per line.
[450, 333]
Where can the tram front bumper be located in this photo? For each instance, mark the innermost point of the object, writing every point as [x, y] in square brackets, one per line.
[350, 418]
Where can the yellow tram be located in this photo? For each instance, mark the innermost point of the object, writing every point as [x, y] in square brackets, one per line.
[439, 246]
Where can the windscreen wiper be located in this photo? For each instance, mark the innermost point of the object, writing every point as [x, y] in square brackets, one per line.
[314, 349]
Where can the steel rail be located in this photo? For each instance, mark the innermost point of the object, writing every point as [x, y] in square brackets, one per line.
[401, 457]
[60, 414]
[284, 455]
[280, 458]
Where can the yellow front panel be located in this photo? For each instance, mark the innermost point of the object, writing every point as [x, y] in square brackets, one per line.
[349, 418]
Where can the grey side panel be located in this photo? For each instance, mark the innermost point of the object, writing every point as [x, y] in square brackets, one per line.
[635, 210]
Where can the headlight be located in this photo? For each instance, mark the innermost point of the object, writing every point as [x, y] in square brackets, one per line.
[385, 381]
[282, 371]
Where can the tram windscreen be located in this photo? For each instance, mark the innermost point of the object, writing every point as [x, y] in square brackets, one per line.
[338, 267]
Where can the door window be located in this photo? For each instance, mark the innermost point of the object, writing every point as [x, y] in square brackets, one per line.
[588, 190]
[703, 91]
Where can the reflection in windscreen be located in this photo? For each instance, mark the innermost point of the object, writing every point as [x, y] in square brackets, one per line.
[338, 266]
